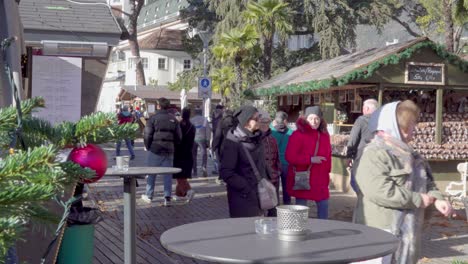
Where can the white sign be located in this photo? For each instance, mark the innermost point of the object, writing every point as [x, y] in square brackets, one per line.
[204, 87]
[58, 81]
[151, 108]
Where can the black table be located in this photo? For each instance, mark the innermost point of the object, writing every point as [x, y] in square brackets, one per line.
[129, 180]
[234, 240]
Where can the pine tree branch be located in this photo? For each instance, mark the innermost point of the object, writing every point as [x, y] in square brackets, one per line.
[10, 229]
[8, 114]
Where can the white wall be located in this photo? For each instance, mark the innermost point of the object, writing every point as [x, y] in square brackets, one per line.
[174, 65]
[107, 98]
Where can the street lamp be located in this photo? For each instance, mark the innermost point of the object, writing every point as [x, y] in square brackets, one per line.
[205, 36]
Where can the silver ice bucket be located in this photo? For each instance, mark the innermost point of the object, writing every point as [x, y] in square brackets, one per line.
[292, 222]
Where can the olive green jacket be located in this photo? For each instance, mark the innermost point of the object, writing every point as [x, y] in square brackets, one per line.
[381, 177]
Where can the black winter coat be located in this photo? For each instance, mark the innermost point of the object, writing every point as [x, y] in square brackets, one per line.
[236, 171]
[183, 158]
[227, 123]
[162, 133]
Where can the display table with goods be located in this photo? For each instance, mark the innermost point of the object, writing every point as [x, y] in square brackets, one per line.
[443, 158]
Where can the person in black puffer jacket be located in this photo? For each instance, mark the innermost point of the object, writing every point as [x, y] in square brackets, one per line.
[162, 133]
[236, 170]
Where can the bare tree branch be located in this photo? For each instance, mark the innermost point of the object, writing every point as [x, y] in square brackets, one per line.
[121, 11]
[406, 26]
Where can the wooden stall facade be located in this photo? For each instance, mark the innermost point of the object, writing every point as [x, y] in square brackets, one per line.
[418, 70]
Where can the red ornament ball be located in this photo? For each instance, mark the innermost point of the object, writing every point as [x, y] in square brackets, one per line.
[90, 156]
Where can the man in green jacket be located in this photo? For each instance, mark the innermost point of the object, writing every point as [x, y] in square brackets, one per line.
[281, 132]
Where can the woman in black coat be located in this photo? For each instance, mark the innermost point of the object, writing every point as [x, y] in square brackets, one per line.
[183, 157]
[236, 171]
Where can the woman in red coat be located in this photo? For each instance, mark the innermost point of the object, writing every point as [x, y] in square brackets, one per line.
[300, 154]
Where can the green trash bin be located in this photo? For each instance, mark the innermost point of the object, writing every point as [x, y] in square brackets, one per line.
[77, 245]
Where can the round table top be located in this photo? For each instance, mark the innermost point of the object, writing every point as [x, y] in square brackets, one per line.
[139, 171]
[234, 240]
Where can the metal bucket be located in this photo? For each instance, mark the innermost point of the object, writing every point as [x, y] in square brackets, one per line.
[292, 222]
[122, 161]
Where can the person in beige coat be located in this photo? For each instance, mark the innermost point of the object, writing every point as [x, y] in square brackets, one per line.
[396, 182]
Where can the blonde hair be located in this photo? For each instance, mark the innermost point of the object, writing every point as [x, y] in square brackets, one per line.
[407, 113]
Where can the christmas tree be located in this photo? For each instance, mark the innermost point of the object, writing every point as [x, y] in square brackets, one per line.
[31, 172]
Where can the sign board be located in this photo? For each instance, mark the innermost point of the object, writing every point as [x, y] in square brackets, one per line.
[204, 87]
[425, 73]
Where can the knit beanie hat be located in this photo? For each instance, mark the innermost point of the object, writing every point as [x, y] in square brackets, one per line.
[281, 117]
[313, 110]
[263, 115]
[244, 113]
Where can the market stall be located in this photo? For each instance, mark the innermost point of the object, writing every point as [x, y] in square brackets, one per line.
[419, 70]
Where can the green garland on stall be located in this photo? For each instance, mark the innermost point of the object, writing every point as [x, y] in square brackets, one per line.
[365, 72]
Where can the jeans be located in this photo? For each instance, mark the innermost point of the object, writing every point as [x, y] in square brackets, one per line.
[154, 160]
[353, 183]
[284, 175]
[128, 142]
[203, 145]
[322, 207]
[11, 256]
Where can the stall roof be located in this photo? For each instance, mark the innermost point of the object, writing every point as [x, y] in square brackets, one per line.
[344, 69]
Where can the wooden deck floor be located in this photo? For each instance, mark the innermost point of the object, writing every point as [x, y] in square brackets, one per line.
[109, 247]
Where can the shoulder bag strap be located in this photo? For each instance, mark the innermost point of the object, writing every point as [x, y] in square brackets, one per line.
[317, 144]
[252, 163]
[315, 152]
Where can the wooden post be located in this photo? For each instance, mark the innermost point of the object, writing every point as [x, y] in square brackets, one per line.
[380, 96]
[438, 116]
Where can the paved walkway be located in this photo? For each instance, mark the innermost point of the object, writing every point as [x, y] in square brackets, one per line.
[444, 240]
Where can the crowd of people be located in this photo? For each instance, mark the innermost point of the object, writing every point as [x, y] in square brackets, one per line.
[393, 183]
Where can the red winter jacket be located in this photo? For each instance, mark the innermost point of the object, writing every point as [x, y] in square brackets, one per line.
[301, 147]
[125, 117]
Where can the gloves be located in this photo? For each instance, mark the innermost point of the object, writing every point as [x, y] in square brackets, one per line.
[317, 160]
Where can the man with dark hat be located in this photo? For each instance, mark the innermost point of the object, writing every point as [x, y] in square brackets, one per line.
[281, 132]
[236, 170]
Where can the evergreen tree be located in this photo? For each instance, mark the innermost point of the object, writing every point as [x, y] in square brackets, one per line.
[270, 17]
[229, 13]
[335, 21]
[238, 46]
[32, 176]
[223, 81]
[447, 17]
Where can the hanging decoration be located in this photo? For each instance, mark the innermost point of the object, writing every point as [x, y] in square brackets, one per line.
[365, 72]
[90, 156]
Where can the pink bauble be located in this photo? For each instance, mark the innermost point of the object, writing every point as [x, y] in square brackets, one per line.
[90, 156]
